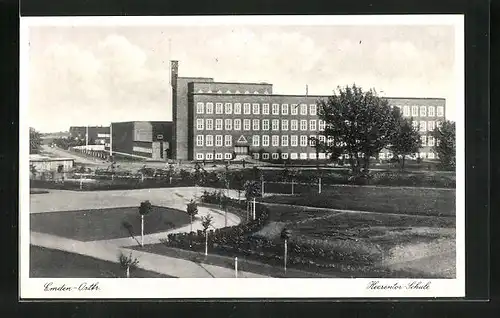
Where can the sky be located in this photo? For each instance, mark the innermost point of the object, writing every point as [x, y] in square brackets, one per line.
[94, 75]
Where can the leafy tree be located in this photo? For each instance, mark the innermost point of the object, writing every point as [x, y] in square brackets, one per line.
[128, 262]
[445, 144]
[358, 124]
[405, 140]
[192, 210]
[144, 209]
[33, 170]
[238, 181]
[206, 222]
[252, 189]
[35, 141]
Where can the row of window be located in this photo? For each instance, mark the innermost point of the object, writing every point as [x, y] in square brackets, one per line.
[426, 125]
[256, 109]
[429, 141]
[422, 111]
[209, 91]
[293, 155]
[264, 140]
[255, 124]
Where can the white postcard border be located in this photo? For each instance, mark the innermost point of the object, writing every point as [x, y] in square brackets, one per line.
[33, 288]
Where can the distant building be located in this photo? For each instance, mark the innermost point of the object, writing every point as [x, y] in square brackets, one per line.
[43, 164]
[212, 120]
[98, 135]
[145, 139]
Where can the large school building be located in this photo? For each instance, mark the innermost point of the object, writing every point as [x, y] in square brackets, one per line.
[212, 120]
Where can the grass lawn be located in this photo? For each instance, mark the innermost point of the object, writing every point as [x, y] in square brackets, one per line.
[59, 264]
[401, 201]
[102, 224]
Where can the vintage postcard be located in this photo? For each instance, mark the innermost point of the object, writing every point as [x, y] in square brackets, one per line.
[282, 156]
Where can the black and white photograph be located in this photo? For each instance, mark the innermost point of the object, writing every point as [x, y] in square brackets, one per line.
[284, 156]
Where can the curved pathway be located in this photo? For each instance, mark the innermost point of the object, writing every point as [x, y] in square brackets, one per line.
[177, 198]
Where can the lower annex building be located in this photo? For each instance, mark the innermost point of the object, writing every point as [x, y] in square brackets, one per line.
[212, 120]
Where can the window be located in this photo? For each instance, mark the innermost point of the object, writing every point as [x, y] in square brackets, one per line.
[431, 125]
[237, 124]
[430, 141]
[303, 155]
[294, 109]
[423, 126]
[275, 140]
[321, 155]
[228, 124]
[228, 140]
[414, 111]
[276, 109]
[423, 155]
[276, 124]
[293, 140]
[218, 140]
[255, 124]
[275, 156]
[218, 156]
[218, 124]
[246, 108]
[440, 111]
[265, 156]
[246, 124]
[237, 108]
[265, 109]
[432, 111]
[265, 124]
[438, 124]
[303, 124]
[256, 109]
[199, 124]
[210, 124]
[284, 124]
[312, 155]
[312, 109]
[424, 140]
[199, 108]
[381, 155]
[322, 138]
[293, 155]
[218, 108]
[209, 109]
[209, 156]
[284, 140]
[228, 156]
[312, 140]
[406, 111]
[303, 109]
[255, 140]
[199, 156]
[256, 155]
[303, 141]
[329, 141]
[321, 125]
[284, 155]
[415, 124]
[284, 109]
[389, 155]
[209, 140]
[423, 111]
[199, 140]
[312, 124]
[228, 109]
[431, 155]
[265, 140]
[294, 123]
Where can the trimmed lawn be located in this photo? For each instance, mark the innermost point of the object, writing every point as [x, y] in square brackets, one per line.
[416, 201]
[103, 224]
[59, 264]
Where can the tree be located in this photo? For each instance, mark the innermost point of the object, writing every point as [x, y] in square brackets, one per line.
[252, 189]
[224, 203]
[405, 140]
[445, 144]
[35, 141]
[144, 209]
[33, 170]
[358, 124]
[206, 222]
[192, 210]
[238, 182]
[128, 262]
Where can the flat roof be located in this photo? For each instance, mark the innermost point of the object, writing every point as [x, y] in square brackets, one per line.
[36, 157]
[237, 83]
[319, 96]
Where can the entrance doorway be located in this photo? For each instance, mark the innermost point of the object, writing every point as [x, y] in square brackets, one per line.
[241, 150]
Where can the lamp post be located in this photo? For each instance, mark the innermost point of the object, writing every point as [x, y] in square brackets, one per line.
[285, 235]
